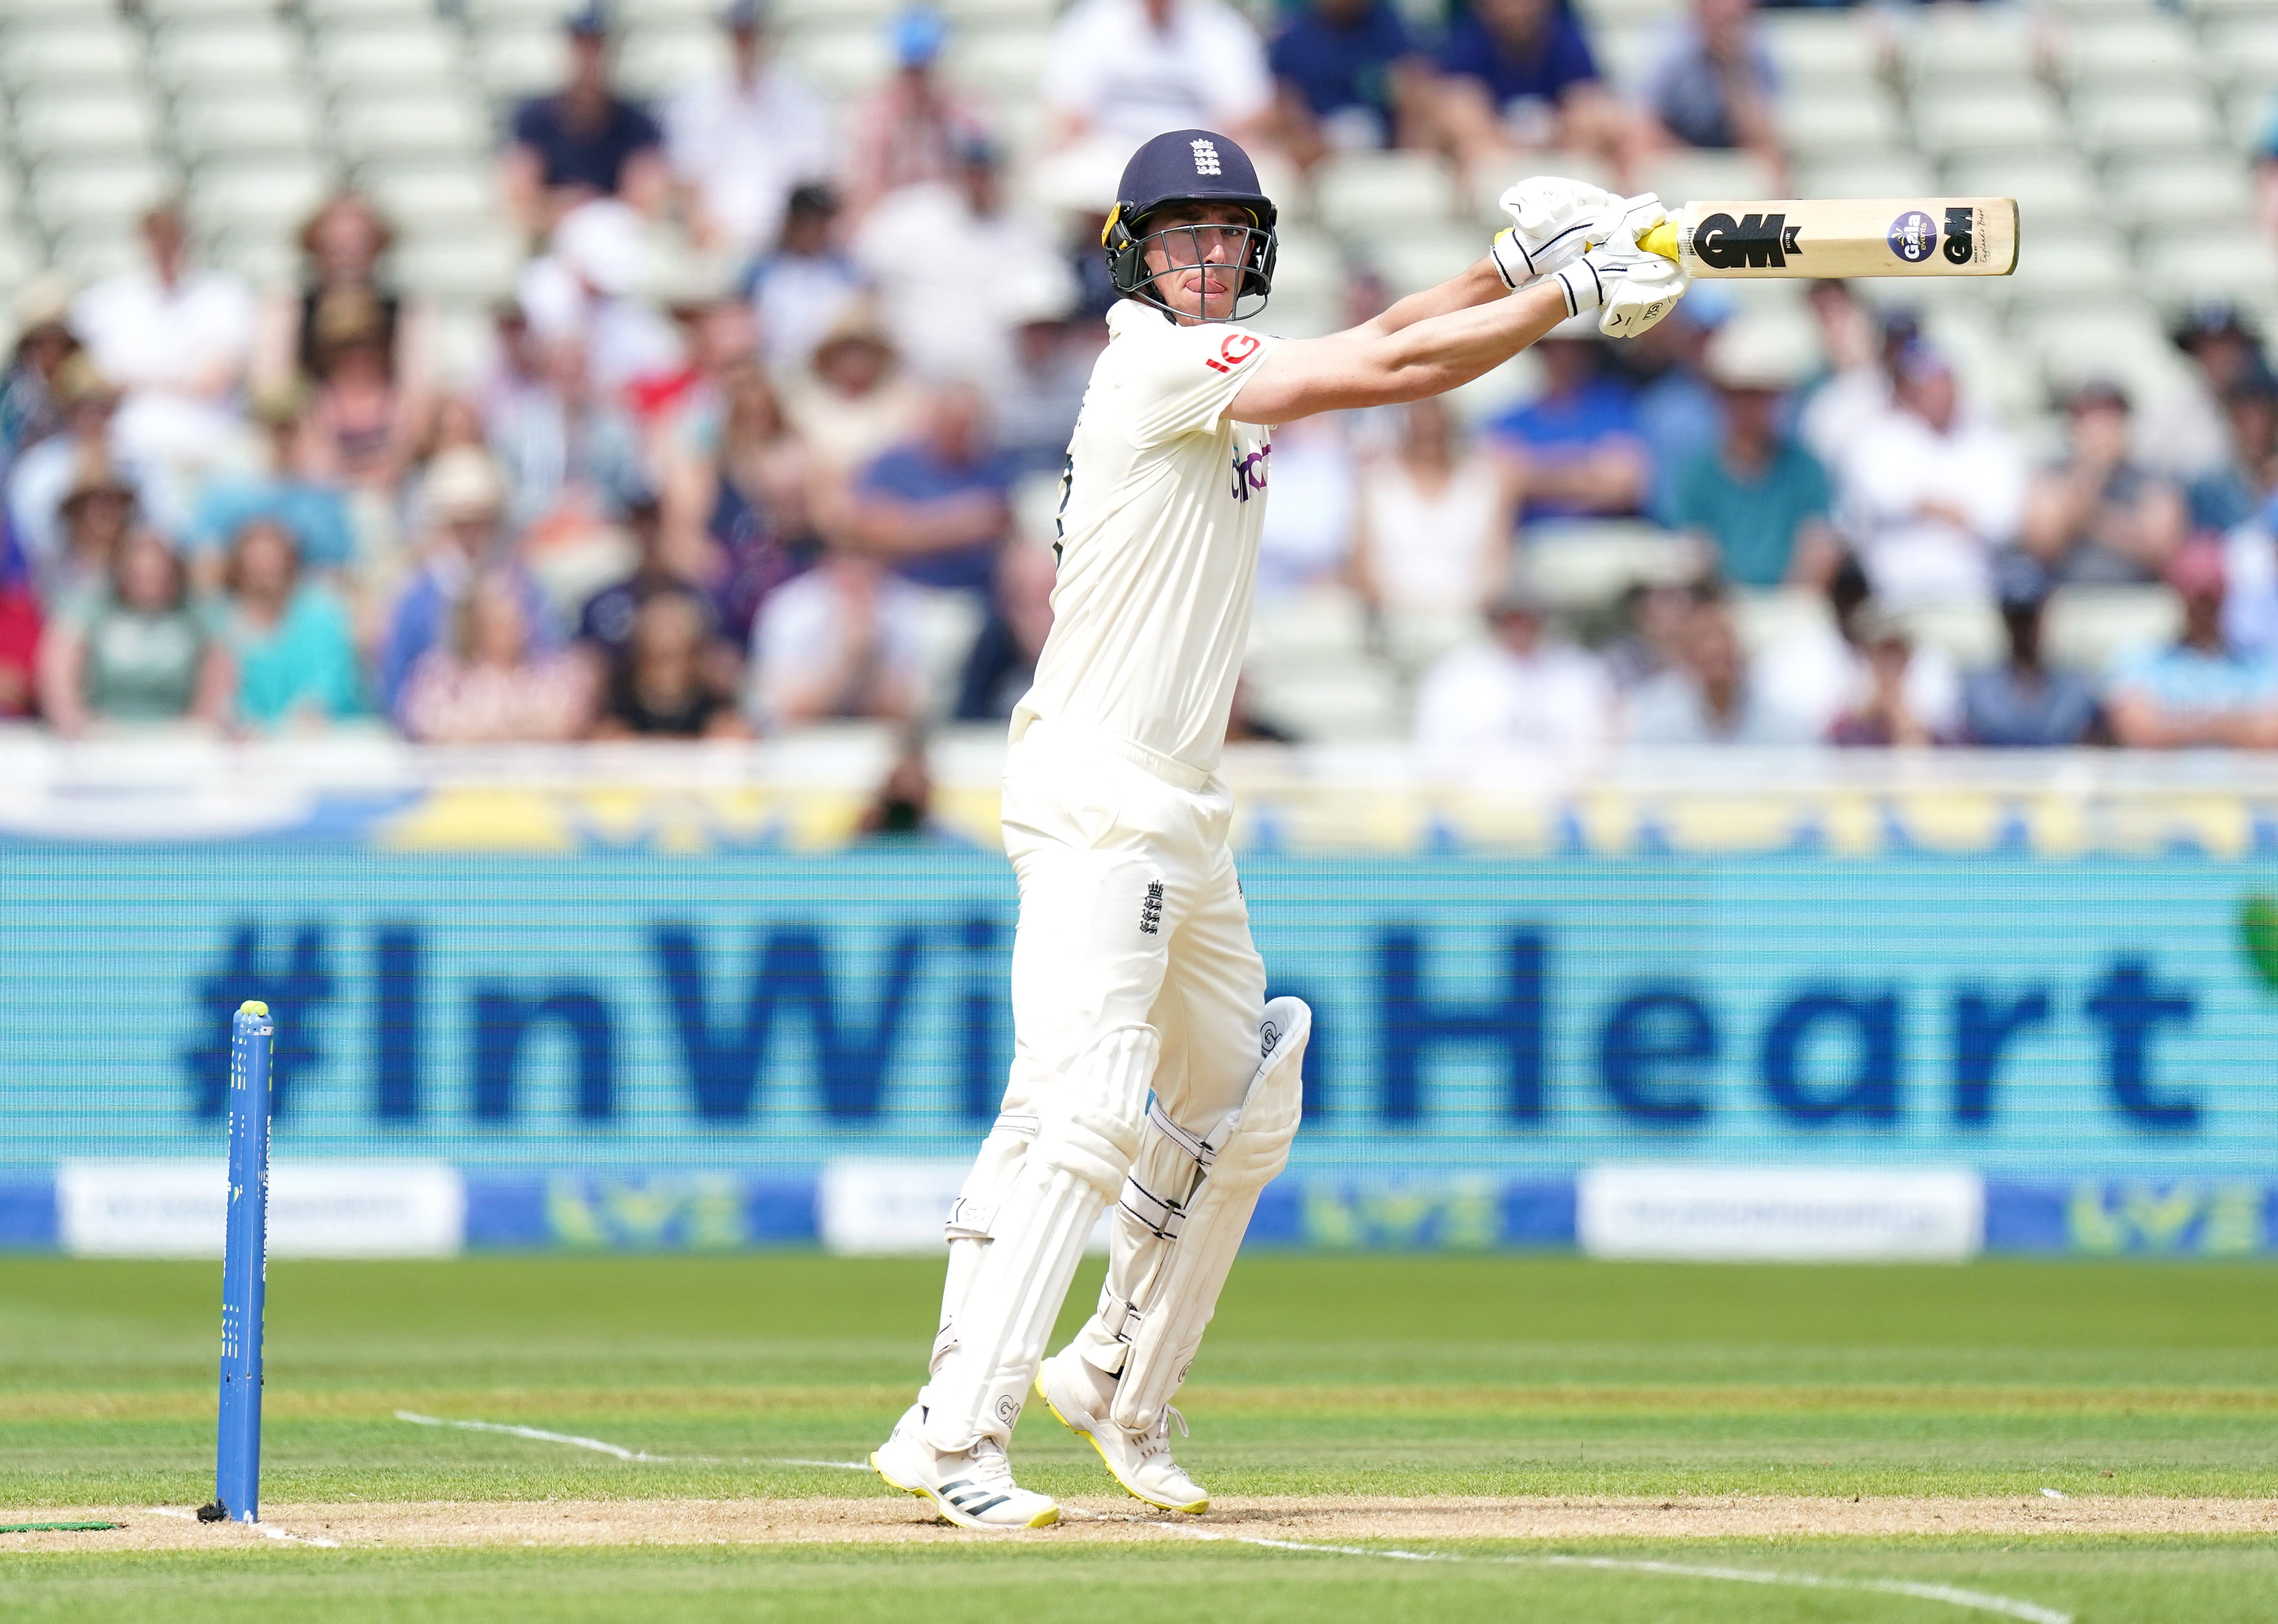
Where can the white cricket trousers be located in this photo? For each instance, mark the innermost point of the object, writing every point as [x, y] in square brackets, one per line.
[1130, 912]
[1130, 918]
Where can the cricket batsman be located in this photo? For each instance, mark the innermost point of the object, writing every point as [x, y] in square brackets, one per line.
[1148, 1073]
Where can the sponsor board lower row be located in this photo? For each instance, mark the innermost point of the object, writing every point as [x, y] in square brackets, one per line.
[400, 1208]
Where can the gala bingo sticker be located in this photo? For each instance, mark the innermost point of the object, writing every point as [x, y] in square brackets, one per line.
[1913, 236]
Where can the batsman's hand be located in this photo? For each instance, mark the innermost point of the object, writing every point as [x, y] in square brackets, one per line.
[1632, 288]
[1553, 220]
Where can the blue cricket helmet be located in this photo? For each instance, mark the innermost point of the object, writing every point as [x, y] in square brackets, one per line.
[1187, 166]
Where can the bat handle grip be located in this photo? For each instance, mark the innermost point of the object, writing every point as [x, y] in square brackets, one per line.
[1661, 240]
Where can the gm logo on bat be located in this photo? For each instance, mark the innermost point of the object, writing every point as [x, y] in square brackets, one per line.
[1758, 241]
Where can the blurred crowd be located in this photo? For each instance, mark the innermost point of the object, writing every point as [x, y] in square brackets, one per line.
[798, 467]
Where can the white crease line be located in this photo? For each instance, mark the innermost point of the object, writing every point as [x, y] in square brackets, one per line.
[600, 1445]
[261, 1529]
[1978, 1601]
[542, 1436]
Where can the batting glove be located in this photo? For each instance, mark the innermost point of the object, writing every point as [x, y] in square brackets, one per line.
[1633, 287]
[1553, 221]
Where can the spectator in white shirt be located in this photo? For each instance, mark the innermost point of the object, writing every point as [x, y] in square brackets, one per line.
[1825, 670]
[1435, 519]
[741, 139]
[586, 291]
[177, 339]
[1517, 690]
[928, 301]
[1122, 71]
[1928, 493]
[1710, 696]
[842, 641]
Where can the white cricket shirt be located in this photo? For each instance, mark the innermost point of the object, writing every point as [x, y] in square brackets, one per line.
[1160, 509]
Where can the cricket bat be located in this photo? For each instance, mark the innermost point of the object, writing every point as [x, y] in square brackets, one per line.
[1842, 236]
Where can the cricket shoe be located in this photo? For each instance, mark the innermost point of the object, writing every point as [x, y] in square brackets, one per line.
[973, 1488]
[1080, 1396]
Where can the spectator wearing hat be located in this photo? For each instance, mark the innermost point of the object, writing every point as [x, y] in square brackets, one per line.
[944, 322]
[30, 407]
[314, 511]
[1121, 71]
[288, 637]
[1757, 496]
[741, 138]
[1347, 76]
[2099, 516]
[584, 140]
[359, 422]
[2237, 490]
[914, 129]
[133, 651]
[47, 471]
[2184, 433]
[802, 289]
[1517, 689]
[855, 399]
[462, 504]
[94, 518]
[2021, 704]
[343, 245]
[1930, 491]
[491, 681]
[1576, 445]
[590, 287]
[177, 340]
[2204, 689]
[1520, 76]
[1708, 695]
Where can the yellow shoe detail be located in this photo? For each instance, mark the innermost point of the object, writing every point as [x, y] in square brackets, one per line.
[1198, 1508]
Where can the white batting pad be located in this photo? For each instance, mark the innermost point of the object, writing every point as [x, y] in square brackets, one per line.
[1087, 1132]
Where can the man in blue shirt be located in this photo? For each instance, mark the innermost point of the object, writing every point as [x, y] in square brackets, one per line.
[583, 142]
[1576, 444]
[1757, 495]
[1346, 76]
[2199, 691]
[1521, 76]
[937, 508]
[2021, 704]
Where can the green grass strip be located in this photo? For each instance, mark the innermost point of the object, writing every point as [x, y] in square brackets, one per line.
[56, 1528]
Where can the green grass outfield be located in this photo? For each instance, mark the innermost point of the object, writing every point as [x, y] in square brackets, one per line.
[1373, 1376]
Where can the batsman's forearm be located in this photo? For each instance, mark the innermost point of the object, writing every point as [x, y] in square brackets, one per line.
[1478, 285]
[1449, 350]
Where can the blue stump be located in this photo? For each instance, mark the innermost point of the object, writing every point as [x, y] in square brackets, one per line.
[245, 1270]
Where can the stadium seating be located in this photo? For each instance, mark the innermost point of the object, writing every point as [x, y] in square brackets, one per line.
[2119, 125]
